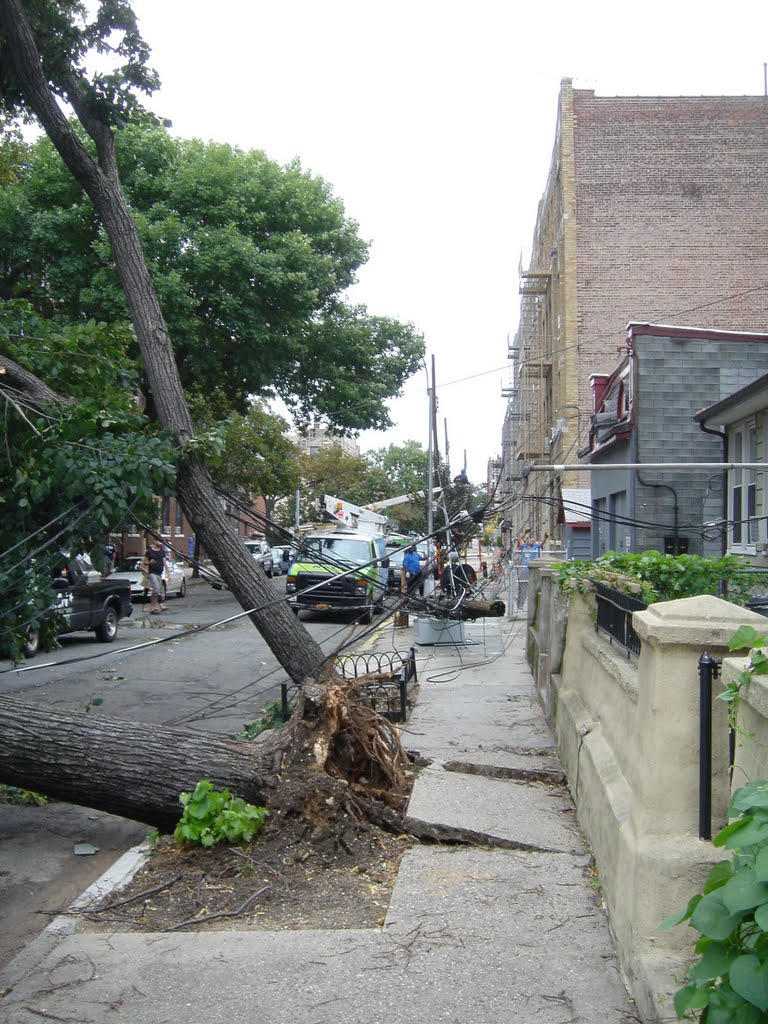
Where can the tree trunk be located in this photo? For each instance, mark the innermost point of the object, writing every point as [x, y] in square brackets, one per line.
[288, 639]
[127, 768]
[335, 756]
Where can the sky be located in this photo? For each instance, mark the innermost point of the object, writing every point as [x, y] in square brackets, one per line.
[434, 123]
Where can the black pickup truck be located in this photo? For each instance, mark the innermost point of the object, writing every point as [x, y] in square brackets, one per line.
[84, 602]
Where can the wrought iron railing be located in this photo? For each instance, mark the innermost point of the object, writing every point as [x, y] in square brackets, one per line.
[614, 617]
[390, 675]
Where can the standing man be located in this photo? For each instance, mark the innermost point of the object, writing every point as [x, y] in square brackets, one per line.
[110, 551]
[412, 568]
[154, 566]
[530, 551]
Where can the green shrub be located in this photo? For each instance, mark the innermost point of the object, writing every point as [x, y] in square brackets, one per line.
[213, 816]
[652, 576]
[15, 795]
[728, 983]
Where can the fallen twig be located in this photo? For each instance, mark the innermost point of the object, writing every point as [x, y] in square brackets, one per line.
[138, 896]
[223, 913]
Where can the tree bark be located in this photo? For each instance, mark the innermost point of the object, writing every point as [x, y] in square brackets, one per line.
[335, 756]
[127, 768]
[289, 640]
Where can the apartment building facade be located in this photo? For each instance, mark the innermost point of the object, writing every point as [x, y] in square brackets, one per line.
[655, 210]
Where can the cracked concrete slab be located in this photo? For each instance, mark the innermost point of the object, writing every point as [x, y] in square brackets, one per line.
[532, 815]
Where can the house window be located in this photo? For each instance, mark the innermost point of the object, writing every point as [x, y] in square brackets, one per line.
[179, 518]
[742, 490]
[166, 516]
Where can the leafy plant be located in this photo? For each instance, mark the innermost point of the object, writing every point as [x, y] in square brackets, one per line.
[14, 795]
[653, 576]
[271, 718]
[213, 816]
[728, 984]
[744, 637]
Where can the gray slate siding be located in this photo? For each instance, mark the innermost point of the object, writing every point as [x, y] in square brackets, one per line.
[675, 378]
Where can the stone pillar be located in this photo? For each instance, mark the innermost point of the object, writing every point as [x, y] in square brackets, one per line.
[674, 635]
[663, 861]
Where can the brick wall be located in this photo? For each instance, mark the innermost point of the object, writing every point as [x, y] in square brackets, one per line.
[671, 217]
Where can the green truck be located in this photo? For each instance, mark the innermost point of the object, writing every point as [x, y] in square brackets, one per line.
[340, 570]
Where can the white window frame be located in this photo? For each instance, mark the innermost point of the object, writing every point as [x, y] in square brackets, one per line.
[746, 521]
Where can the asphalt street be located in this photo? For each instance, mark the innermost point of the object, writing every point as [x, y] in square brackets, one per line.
[210, 669]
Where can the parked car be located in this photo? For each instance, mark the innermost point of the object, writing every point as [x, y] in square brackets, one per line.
[262, 552]
[281, 560]
[84, 601]
[174, 579]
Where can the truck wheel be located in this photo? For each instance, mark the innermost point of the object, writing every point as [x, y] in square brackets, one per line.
[106, 631]
[31, 644]
[366, 616]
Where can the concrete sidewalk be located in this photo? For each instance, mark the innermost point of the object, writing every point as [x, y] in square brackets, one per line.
[510, 930]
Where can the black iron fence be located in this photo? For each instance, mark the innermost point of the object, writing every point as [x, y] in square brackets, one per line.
[386, 679]
[614, 617]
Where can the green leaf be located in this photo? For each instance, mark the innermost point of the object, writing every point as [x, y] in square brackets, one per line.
[761, 865]
[752, 796]
[728, 1007]
[691, 997]
[724, 834]
[743, 891]
[719, 875]
[749, 977]
[745, 636]
[714, 962]
[761, 917]
[712, 918]
[682, 915]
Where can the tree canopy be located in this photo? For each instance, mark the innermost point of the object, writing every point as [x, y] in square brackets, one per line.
[250, 261]
[78, 458]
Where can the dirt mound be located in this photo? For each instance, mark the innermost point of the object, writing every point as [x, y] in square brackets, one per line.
[286, 878]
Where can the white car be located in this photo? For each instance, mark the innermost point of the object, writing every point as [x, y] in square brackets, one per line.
[174, 580]
[262, 552]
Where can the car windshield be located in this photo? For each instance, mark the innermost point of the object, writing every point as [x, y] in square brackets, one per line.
[130, 564]
[338, 549]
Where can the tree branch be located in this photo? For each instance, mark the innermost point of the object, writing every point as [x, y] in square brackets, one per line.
[27, 386]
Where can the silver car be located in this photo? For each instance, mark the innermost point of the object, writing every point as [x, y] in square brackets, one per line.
[174, 580]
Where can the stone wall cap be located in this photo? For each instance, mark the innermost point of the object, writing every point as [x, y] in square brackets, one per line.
[703, 621]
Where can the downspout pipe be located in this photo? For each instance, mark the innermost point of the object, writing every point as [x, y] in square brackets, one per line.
[676, 507]
[724, 436]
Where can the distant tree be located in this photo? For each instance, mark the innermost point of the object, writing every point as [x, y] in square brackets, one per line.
[349, 477]
[405, 466]
[258, 458]
[249, 260]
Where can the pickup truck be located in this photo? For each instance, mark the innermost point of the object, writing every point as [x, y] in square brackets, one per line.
[84, 601]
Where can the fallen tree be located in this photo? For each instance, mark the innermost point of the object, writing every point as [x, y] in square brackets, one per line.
[334, 757]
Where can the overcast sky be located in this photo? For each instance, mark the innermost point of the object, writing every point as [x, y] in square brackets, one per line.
[434, 124]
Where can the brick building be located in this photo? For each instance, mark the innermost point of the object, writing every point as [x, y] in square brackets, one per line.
[655, 210]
